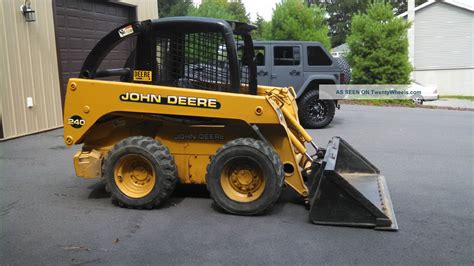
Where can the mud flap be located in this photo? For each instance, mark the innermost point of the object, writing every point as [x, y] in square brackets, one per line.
[348, 190]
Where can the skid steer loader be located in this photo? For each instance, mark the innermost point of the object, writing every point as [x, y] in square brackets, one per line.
[185, 107]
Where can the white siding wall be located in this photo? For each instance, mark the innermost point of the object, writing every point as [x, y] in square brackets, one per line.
[444, 48]
[443, 37]
[448, 82]
[28, 68]
[146, 9]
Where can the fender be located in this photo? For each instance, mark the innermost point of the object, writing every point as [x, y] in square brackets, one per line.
[311, 78]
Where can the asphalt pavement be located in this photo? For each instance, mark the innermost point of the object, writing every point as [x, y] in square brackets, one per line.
[49, 216]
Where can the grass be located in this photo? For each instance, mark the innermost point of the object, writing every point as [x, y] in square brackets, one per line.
[470, 98]
[392, 102]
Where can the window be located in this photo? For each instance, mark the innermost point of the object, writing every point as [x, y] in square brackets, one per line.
[317, 57]
[260, 55]
[286, 55]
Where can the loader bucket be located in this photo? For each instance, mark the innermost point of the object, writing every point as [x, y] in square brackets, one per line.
[348, 190]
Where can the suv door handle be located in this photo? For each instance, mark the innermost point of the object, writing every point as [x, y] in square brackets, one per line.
[274, 76]
[294, 73]
[262, 73]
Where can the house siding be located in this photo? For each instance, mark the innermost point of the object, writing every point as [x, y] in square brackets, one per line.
[444, 48]
[443, 37]
[29, 69]
[29, 66]
[146, 9]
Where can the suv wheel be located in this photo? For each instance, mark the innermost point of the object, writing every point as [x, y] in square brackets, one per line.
[313, 112]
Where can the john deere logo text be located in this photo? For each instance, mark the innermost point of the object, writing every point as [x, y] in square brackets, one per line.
[170, 100]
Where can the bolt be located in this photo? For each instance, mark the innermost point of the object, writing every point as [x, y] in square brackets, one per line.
[69, 140]
[73, 86]
[86, 109]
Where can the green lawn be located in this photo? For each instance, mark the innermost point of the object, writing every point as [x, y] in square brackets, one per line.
[471, 98]
[393, 102]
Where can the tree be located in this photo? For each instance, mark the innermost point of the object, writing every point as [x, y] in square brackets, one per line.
[237, 9]
[263, 31]
[221, 9]
[294, 20]
[172, 8]
[340, 14]
[379, 47]
[400, 6]
[212, 9]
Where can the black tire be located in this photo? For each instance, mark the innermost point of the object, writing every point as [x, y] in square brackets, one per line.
[261, 155]
[345, 68]
[160, 160]
[313, 112]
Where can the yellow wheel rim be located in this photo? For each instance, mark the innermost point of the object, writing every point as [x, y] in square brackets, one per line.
[242, 180]
[134, 176]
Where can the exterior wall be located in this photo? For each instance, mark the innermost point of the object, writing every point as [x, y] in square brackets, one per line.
[28, 69]
[443, 37]
[146, 9]
[449, 81]
[29, 66]
[443, 48]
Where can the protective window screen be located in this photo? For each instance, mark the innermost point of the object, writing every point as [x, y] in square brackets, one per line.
[192, 60]
[286, 55]
[260, 55]
[317, 57]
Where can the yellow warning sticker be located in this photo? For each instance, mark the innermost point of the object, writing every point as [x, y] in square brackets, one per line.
[141, 75]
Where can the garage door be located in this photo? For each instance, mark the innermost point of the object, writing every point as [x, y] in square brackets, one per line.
[79, 25]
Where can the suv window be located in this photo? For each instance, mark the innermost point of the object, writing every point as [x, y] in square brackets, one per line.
[317, 57]
[260, 55]
[286, 55]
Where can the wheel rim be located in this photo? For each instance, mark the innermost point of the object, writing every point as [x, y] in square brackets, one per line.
[242, 180]
[134, 176]
[317, 110]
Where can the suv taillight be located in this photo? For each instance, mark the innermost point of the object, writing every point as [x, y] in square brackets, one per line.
[342, 79]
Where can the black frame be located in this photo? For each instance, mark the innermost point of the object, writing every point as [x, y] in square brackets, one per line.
[145, 54]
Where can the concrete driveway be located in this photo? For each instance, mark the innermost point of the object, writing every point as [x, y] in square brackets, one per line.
[49, 216]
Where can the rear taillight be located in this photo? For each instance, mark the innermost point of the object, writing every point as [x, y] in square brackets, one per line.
[343, 77]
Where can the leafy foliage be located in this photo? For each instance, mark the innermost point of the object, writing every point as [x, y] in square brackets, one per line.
[172, 8]
[341, 13]
[263, 31]
[379, 47]
[237, 9]
[294, 20]
[340, 16]
[400, 6]
[221, 9]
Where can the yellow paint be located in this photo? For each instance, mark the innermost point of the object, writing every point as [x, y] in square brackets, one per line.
[88, 163]
[227, 117]
[242, 181]
[134, 176]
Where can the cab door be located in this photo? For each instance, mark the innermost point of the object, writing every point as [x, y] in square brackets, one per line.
[287, 66]
[263, 62]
